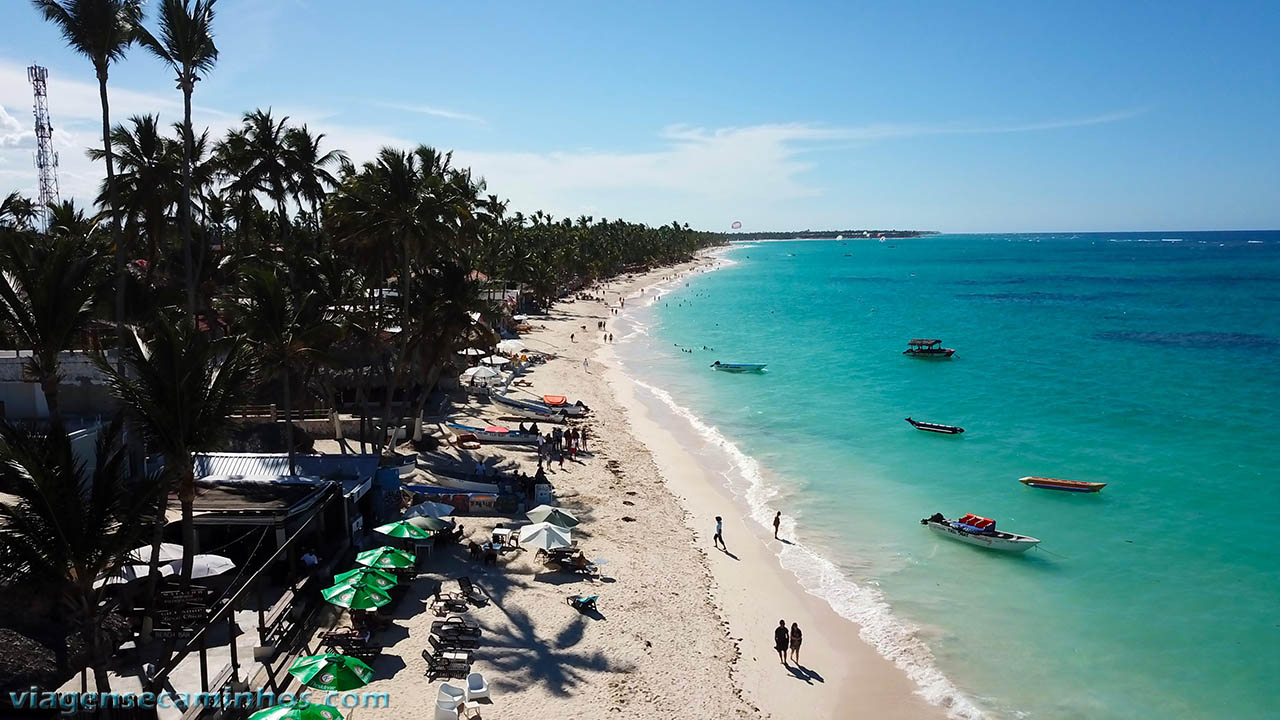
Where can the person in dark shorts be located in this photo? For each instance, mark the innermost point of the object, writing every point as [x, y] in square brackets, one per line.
[796, 638]
[780, 640]
[718, 538]
[777, 520]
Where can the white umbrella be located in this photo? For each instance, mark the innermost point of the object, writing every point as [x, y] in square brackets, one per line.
[545, 536]
[480, 376]
[471, 351]
[497, 360]
[429, 508]
[168, 551]
[510, 346]
[203, 566]
[129, 573]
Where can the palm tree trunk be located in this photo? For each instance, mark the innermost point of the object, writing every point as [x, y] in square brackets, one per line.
[49, 386]
[153, 563]
[186, 197]
[187, 496]
[288, 419]
[115, 213]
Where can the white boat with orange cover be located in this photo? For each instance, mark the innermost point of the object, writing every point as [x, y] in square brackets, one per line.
[980, 531]
[560, 402]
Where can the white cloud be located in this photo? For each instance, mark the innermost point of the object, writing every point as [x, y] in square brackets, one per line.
[12, 133]
[434, 112]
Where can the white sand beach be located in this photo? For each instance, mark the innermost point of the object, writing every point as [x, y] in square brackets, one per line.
[683, 630]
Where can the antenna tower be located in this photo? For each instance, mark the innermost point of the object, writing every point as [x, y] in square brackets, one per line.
[46, 158]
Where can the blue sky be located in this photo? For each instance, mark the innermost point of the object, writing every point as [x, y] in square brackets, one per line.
[956, 116]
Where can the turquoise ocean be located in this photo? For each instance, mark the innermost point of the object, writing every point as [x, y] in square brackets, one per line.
[1149, 361]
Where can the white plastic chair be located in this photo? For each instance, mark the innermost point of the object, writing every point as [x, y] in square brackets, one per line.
[450, 694]
[446, 710]
[476, 687]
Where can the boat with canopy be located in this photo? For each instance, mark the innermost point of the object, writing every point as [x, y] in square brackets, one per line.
[927, 348]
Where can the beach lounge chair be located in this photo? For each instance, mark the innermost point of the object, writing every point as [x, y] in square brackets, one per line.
[455, 625]
[440, 667]
[476, 687]
[444, 652]
[582, 603]
[444, 603]
[469, 592]
[456, 641]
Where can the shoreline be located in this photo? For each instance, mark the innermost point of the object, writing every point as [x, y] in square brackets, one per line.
[752, 588]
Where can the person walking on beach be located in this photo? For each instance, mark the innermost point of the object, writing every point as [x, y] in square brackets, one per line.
[780, 640]
[777, 520]
[717, 540]
[797, 637]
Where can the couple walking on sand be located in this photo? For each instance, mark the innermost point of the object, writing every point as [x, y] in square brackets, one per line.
[783, 640]
[717, 540]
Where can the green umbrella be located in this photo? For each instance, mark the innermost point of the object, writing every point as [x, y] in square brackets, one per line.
[367, 577]
[356, 597]
[297, 712]
[331, 671]
[553, 515]
[386, 557]
[403, 529]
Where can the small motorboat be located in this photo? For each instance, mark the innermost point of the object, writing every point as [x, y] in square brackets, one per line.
[535, 411]
[979, 531]
[561, 403]
[927, 348]
[1079, 486]
[935, 427]
[737, 367]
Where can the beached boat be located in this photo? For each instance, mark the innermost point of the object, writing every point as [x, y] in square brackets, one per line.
[927, 348]
[737, 367]
[979, 531]
[935, 427]
[494, 434]
[561, 403]
[535, 411]
[1079, 486]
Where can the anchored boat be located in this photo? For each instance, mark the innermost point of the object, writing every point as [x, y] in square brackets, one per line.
[935, 427]
[979, 531]
[1066, 485]
[737, 367]
[927, 348]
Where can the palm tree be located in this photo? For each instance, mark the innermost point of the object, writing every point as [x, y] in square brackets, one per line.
[287, 326]
[17, 210]
[310, 169]
[265, 164]
[144, 187]
[62, 528]
[181, 387]
[46, 302]
[186, 44]
[68, 220]
[101, 30]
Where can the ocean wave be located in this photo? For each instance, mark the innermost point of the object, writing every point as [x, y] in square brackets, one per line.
[892, 637]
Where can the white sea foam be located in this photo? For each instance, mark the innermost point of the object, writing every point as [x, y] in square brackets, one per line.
[892, 637]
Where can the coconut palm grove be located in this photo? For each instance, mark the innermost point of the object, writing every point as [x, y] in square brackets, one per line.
[214, 273]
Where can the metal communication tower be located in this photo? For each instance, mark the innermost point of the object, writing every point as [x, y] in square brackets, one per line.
[46, 158]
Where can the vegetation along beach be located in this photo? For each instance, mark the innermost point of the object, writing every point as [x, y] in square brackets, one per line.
[452, 361]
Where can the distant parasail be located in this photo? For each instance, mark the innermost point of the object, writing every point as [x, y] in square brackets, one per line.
[736, 225]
